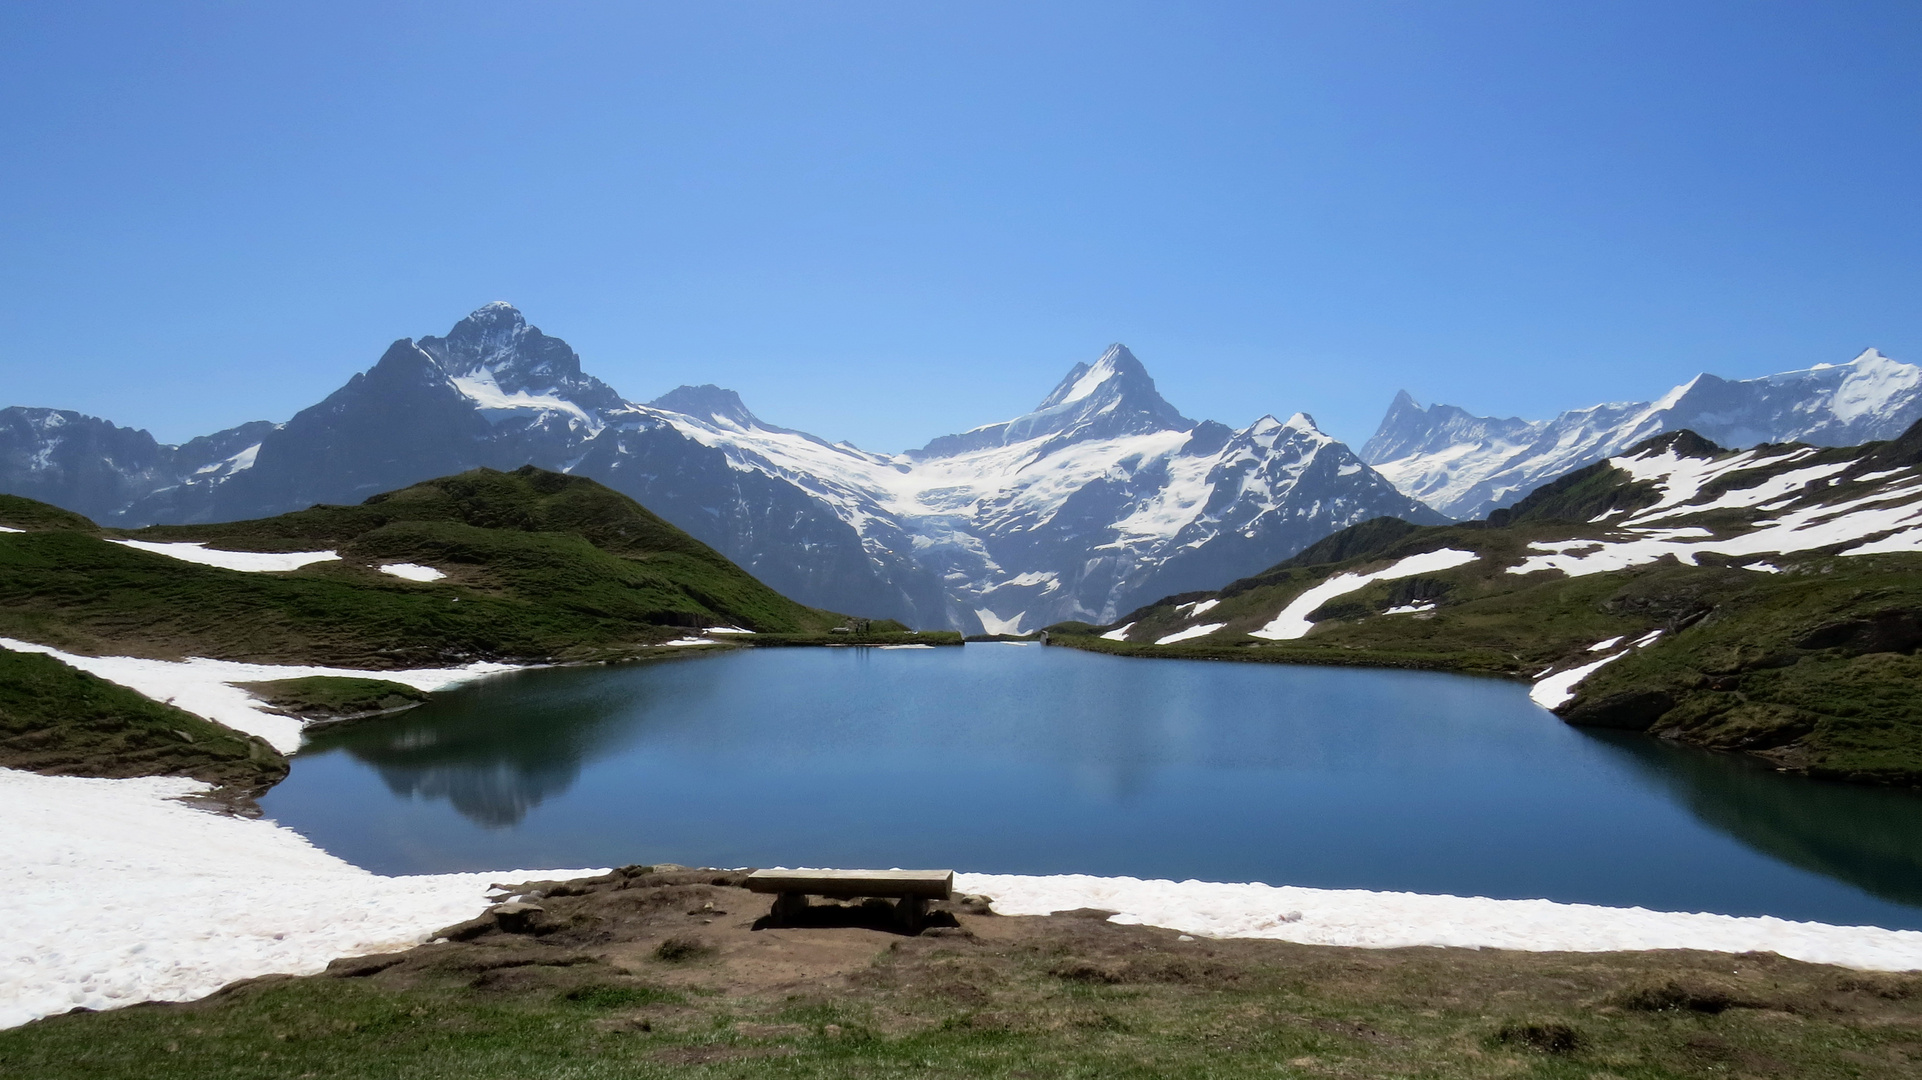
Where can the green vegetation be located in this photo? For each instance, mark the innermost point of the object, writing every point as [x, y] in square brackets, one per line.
[326, 697]
[539, 567]
[589, 995]
[1813, 668]
[56, 720]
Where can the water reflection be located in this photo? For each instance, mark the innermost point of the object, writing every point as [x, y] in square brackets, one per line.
[1868, 836]
[1031, 760]
[498, 749]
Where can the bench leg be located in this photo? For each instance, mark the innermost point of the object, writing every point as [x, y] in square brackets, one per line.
[788, 908]
[913, 913]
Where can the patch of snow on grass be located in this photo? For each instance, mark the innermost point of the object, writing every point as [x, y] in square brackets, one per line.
[1389, 920]
[1119, 633]
[726, 630]
[688, 641]
[1645, 640]
[117, 893]
[1555, 690]
[412, 571]
[249, 562]
[1411, 609]
[1766, 568]
[1191, 632]
[1604, 646]
[205, 687]
[9, 528]
[1293, 620]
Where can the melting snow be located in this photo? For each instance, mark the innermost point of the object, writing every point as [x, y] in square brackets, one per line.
[412, 571]
[726, 630]
[1293, 620]
[9, 528]
[1604, 646]
[205, 687]
[1191, 632]
[251, 562]
[1390, 920]
[117, 893]
[1555, 690]
[1119, 633]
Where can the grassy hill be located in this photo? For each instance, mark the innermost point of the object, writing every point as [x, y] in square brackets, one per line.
[538, 567]
[1766, 601]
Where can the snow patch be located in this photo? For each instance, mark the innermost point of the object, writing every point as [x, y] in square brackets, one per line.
[726, 630]
[205, 687]
[247, 562]
[118, 893]
[9, 528]
[1293, 621]
[1393, 920]
[412, 571]
[1119, 633]
[1555, 690]
[1191, 632]
[994, 624]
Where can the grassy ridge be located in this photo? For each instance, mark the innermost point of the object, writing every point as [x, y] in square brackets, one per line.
[63, 722]
[539, 567]
[1813, 668]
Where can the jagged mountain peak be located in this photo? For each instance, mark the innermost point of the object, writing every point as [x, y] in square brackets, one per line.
[1110, 398]
[710, 403]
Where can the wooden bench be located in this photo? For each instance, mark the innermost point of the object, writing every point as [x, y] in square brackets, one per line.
[911, 890]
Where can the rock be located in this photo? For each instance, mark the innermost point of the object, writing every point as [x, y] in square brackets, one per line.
[516, 917]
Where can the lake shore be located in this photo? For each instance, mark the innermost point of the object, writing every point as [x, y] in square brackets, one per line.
[124, 893]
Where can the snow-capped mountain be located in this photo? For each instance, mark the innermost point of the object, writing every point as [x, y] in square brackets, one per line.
[1465, 465]
[1102, 497]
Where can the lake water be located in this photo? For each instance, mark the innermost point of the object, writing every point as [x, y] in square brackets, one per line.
[1011, 759]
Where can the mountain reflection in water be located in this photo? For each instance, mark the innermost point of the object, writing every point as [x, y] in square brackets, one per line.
[1040, 760]
[497, 749]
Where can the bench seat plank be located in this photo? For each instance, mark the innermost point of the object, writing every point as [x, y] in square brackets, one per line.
[926, 884]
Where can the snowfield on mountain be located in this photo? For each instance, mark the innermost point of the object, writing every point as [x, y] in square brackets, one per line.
[1767, 600]
[1103, 496]
[1465, 465]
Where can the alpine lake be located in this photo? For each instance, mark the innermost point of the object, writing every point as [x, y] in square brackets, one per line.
[1025, 759]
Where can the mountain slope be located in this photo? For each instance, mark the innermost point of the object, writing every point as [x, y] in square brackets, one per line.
[1103, 495]
[1766, 600]
[1466, 465]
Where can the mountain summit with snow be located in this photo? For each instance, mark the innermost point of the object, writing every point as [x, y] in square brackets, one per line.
[1101, 497]
[1465, 465]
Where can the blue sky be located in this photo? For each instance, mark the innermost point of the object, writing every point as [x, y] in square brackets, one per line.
[884, 222]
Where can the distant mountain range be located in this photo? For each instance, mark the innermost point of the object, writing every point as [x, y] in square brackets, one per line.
[1465, 465]
[1101, 498]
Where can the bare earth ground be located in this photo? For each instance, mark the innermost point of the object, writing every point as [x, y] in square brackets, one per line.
[671, 972]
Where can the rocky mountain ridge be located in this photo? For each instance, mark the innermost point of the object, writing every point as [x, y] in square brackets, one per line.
[1465, 465]
[1100, 497]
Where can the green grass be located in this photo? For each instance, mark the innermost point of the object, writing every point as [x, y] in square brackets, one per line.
[326, 697]
[540, 567]
[1047, 1009]
[1740, 666]
[56, 720]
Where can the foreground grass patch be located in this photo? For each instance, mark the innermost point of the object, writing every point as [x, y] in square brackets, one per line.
[585, 993]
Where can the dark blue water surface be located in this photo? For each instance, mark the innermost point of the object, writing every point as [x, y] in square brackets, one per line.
[1012, 759]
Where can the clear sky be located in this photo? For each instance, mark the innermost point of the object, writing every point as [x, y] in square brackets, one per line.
[886, 221]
